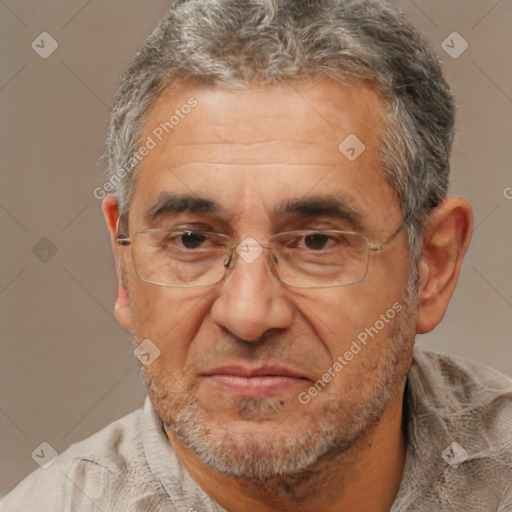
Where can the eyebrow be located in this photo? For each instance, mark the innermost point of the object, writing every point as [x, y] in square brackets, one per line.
[332, 206]
[178, 203]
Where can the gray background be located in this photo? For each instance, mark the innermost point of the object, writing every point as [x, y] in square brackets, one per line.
[67, 368]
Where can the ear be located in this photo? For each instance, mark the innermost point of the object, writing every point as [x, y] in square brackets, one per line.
[445, 242]
[122, 310]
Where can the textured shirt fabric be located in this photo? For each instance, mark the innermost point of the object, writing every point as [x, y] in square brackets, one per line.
[459, 454]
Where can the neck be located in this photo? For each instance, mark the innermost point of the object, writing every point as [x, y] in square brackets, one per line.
[367, 477]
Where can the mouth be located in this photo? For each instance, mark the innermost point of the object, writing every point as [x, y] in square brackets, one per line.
[254, 382]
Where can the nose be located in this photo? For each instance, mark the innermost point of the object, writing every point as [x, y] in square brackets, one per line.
[251, 299]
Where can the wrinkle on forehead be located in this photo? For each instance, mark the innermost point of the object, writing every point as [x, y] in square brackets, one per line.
[251, 149]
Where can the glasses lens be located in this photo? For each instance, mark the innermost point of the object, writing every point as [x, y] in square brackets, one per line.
[309, 259]
[320, 259]
[179, 258]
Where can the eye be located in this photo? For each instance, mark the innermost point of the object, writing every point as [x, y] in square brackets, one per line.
[192, 240]
[316, 241]
[181, 241]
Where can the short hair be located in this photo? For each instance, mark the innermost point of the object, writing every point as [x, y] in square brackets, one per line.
[235, 44]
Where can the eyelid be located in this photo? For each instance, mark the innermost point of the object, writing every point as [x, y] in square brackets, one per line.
[192, 227]
[174, 220]
[316, 225]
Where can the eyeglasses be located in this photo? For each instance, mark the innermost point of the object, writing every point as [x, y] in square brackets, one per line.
[304, 259]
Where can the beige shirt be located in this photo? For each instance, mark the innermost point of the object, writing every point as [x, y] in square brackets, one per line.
[459, 454]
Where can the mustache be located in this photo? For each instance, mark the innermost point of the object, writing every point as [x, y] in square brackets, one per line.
[271, 349]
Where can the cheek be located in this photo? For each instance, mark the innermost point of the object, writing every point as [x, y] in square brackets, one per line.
[169, 318]
[365, 336]
[342, 315]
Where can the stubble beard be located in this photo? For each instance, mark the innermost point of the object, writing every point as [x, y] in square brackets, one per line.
[268, 450]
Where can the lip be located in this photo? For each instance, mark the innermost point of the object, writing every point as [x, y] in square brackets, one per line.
[254, 382]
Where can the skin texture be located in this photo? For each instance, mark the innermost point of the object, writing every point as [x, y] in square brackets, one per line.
[250, 151]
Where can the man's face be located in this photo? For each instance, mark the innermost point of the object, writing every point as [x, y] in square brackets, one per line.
[255, 153]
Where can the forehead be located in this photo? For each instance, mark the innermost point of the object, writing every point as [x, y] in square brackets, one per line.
[251, 149]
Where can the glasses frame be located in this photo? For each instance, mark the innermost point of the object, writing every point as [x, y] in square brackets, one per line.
[230, 261]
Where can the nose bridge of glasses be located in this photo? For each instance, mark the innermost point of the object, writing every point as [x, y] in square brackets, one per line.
[249, 249]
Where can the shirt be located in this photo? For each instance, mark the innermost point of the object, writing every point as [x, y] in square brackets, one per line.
[458, 417]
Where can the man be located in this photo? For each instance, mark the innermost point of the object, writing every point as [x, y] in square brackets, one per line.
[282, 232]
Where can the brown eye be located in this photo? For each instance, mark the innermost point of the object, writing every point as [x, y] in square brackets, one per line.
[316, 241]
[192, 240]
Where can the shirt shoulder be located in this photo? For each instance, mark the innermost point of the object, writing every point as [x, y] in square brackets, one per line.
[74, 480]
[459, 428]
[446, 380]
[128, 466]
[471, 400]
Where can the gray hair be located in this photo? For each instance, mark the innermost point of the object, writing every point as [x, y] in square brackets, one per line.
[233, 44]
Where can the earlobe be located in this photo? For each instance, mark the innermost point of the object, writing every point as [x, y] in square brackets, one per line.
[446, 239]
[123, 310]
